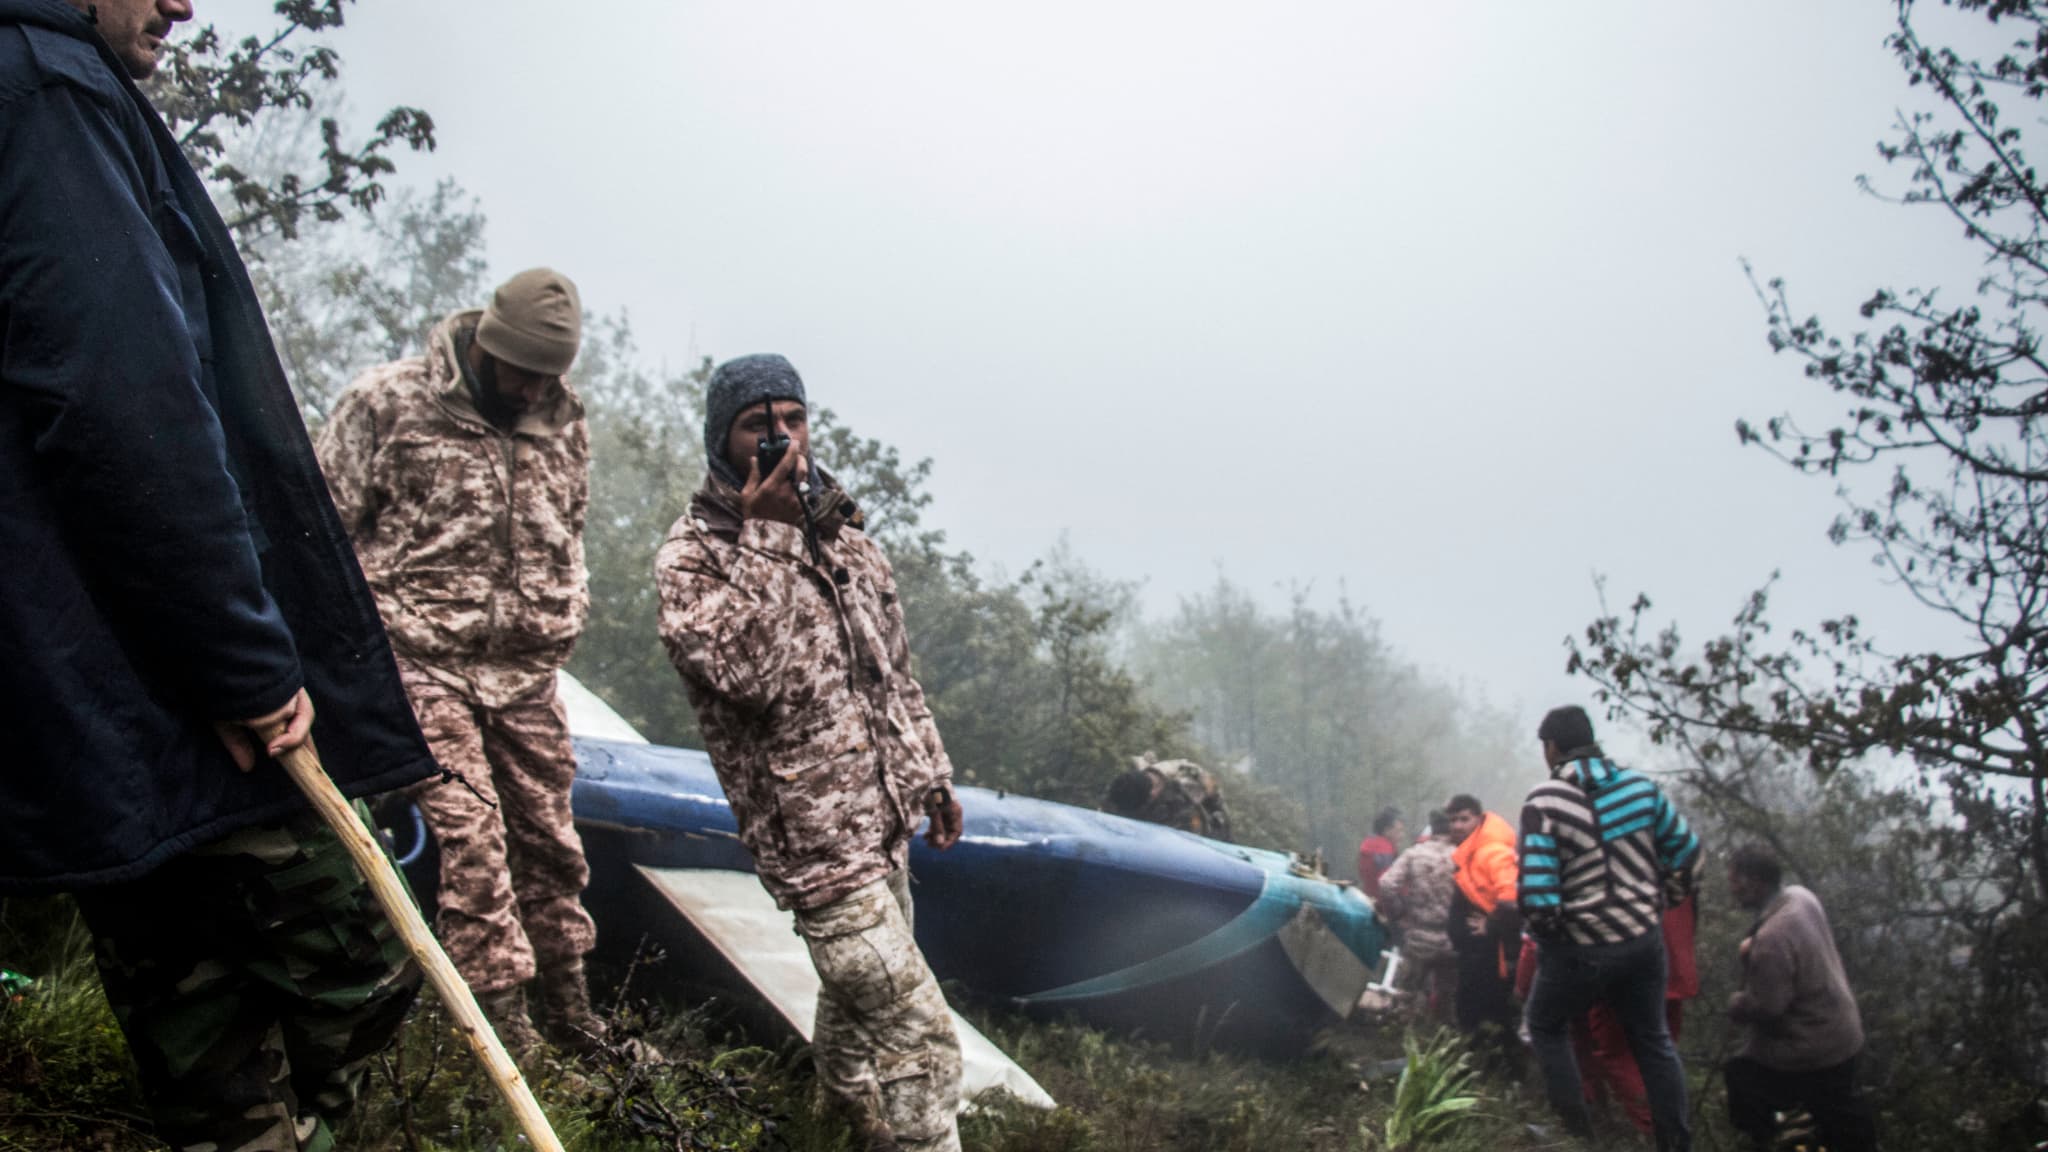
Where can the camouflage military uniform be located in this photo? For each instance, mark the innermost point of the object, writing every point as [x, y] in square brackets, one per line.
[1415, 896]
[802, 686]
[1187, 798]
[1415, 893]
[253, 976]
[800, 676]
[510, 877]
[884, 1037]
[472, 540]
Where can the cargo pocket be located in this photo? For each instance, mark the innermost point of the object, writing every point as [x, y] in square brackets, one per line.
[442, 611]
[316, 914]
[893, 1066]
[553, 606]
[914, 1102]
[865, 958]
[815, 808]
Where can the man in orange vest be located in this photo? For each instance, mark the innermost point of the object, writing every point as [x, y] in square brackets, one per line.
[1485, 929]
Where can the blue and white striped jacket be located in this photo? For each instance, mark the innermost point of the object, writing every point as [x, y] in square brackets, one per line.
[1603, 852]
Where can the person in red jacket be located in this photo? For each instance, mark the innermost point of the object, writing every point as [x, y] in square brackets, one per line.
[1376, 852]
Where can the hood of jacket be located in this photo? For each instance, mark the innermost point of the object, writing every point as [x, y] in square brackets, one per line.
[448, 368]
[1587, 767]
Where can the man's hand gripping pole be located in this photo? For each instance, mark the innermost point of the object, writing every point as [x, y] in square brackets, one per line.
[303, 764]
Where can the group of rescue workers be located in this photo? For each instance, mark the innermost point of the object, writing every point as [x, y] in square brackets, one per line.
[191, 575]
[1587, 914]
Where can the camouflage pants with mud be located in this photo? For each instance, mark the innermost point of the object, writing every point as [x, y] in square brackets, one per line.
[884, 1041]
[254, 977]
[511, 876]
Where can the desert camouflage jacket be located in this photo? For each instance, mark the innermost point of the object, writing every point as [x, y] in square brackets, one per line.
[1415, 894]
[800, 676]
[471, 536]
[1188, 798]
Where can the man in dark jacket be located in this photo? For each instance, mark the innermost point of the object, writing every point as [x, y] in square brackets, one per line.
[177, 583]
[1802, 1032]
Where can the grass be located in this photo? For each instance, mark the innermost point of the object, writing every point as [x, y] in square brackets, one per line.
[65, 1079]
[66, 1083]
[1435, 1097]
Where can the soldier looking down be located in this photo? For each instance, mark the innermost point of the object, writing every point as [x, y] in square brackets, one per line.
[463, 476]
[1176, 793]
[782, 617]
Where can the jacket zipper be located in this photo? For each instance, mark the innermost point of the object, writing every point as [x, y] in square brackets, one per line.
[509, 449]
[846, 638]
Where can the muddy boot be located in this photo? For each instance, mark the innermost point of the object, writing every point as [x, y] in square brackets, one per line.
[506, 1010]
[565, 1013]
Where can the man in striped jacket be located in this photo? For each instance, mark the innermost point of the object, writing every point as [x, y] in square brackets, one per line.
[1603, 853]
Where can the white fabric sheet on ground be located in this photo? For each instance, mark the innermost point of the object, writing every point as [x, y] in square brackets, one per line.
[740, 919]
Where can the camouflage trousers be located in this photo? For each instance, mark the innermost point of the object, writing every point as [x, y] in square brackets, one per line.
[884, 1040]
[254, 977]
[511, 876]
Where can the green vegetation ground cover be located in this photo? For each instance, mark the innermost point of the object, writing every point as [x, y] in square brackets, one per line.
[66, 1083]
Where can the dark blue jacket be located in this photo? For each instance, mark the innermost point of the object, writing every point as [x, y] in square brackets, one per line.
[168, 552]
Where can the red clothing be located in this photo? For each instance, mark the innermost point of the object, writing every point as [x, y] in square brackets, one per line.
[1375, 855]
[1681, 970]
[1606, 1066]
[1606, 1063]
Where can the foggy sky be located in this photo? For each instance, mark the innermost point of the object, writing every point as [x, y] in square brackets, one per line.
[1437, 305]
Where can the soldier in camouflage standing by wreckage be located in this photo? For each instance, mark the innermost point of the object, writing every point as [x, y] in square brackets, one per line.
[463, 477]
[785, 625]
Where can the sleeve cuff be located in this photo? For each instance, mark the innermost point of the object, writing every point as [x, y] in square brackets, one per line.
[259, 702]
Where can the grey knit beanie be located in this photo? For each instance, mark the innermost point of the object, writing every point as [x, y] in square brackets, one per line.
[735, 386]
[535, 322]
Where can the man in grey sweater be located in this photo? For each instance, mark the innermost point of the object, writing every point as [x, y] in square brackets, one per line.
[1803, 1030]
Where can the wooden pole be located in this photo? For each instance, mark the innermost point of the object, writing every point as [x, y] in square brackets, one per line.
[303, 763]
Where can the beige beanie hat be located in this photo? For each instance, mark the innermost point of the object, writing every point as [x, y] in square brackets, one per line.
[535, 322]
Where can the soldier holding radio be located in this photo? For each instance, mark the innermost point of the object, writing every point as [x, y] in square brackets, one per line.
[782, 617]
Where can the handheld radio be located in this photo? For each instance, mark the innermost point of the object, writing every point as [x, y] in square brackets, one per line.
[771, 447]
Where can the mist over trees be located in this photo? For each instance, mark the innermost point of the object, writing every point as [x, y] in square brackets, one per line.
[1314, 704]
